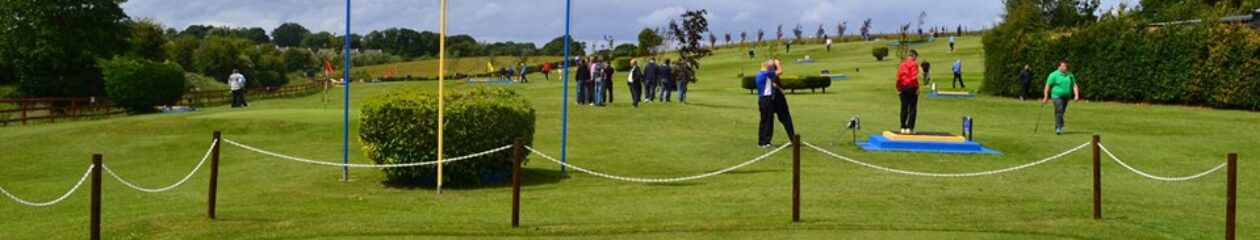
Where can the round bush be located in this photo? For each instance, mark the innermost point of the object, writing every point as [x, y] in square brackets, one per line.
[138, 85]
[621, 64]
[790, 82]
[879, 52]
[401, 127]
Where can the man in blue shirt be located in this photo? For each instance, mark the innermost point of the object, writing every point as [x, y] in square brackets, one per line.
[771, 102]
[958, 75]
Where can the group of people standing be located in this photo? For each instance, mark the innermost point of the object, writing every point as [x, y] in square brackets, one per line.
[518, 73]
[655, 82]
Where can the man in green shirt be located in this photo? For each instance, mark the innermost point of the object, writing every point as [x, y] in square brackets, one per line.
[1061, 85]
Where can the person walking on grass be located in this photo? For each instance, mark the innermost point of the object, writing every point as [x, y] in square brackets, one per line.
[583, 73]
[958, 75]
[1025, 79]
[927, 72]
[770, 102]
[546, 71]
[908, 90]
[1060, 85]
[666, 76]
[236, 82]
[951, 43]
[597, 78]
[650, 79]
[608, 80]
[523, 72]
[634, 80]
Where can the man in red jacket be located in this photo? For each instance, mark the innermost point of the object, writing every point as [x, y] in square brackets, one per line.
[908, 89]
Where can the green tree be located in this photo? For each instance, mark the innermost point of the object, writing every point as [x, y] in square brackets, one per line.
[299, 60]
[649, 39]
[218, 56]
[289, 34]
[556, 47]
[181, 50]
[258, 35]
[626, 50]
[51, 46]
[198, 31]
[147, 40]
[319, 40]
[138, 85]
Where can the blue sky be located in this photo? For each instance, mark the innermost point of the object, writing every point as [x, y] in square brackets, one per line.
[541, 20]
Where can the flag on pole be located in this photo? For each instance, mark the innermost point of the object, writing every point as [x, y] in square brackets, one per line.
[328, 68]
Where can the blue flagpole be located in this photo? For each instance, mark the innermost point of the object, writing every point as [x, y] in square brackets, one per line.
[564, 116]
[345, 131]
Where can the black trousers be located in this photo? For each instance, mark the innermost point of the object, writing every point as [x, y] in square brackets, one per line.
[608, 91]
[769, 107]
[651, 89]
[636, 92]
[927, 78]
[1023, 89]
[958, 80]
[909, 107]
[590, 92]
[1060, 107]
[236, 98]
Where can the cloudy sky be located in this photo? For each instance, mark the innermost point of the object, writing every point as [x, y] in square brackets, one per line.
[541, 20]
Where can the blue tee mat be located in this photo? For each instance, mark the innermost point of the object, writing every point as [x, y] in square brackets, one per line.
[932, 143]
[489, 81]
[945, 94]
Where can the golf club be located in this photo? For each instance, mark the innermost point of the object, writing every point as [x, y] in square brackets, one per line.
[1040, 113]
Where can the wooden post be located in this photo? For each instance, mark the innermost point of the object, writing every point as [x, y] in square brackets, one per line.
[214, 175]
[1097, 178]
[796, 178]
[1231, 191]
[95, 211]
[22, 105]
[517, 154]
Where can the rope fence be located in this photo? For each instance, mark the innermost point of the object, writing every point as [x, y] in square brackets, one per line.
[658, 180]
[1159, 178]
[948, 175]
[357, 165]
[63, 196]
[169, 187]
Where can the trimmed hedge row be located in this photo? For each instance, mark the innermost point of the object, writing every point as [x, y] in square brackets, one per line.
[138, 84]
[1216, 65]
[792, 83]
[401, 127]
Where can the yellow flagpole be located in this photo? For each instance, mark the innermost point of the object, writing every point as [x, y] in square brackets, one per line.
[441, 91]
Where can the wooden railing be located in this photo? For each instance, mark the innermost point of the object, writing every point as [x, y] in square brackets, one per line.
[224, 97]
[30, 110]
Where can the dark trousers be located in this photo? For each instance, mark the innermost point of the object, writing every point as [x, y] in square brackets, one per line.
[769, 107]
[636, 92]
[958, 80]
[927, 78]
[590, 91]
[909, 107]
[1023, 90]
[1060, 107]
[238, 98]
[651, 90]
[581, 92]
[608, 91]
[951, 47]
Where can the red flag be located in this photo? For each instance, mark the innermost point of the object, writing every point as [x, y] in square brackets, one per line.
[328, 67]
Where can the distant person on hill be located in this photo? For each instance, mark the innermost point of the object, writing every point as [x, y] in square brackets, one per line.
[666, 76]
[958, 75]
[546, 71]
[751, 54]
[908, 89]
[959, 30]
[1025, 79]
[650, 79]
[236, 82]
[789, 46]
[770, 102]
[927, 72]
[1060, 86]
[681, 86]
[511, 72]
[608, 80]
[583, 73]
[522, 73]
[828, 45]
[634, 80]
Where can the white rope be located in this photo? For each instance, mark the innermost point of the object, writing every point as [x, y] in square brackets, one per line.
[353, 165]
[167, 188]
[1166, 179]
[54, 201]
[659, 180]
[924, 174]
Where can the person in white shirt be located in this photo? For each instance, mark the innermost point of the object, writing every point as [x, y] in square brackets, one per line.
[236, 82]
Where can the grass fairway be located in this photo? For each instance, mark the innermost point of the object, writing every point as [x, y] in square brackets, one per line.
[262, 197]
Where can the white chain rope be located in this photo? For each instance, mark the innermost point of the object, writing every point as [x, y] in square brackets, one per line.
[925, 174]
[54, 201]
[167, 188]
[355, 165]
[658, 180]
[1166, 179]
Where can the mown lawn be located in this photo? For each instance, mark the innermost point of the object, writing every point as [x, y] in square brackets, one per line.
[262, 197]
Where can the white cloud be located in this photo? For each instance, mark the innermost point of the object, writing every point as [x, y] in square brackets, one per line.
[741, 16]
[661, 16]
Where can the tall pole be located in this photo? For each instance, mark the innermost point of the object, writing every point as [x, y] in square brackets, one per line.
[213, 194]
[1231, 194]
[345, 114]
[1097, 178]
[796, 178]
[95, 211]
[564, 115]
[516, 181]
[441, 91]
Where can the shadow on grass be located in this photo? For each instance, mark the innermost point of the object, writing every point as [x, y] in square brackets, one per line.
[707, 105]
[529, 177]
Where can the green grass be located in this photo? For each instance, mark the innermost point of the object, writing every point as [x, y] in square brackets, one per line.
[260, 197]
[5, 90]
[467, 65]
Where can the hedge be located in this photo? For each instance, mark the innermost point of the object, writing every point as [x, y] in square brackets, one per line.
[1216, 65]
[401, 127]
[880, 52]
[792, 83]
[138, 85]
[621, 64]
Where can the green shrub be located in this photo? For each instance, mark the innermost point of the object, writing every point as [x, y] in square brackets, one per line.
[621, 64]
[880, 52]
[401, 127]
[792, 83]
[138, 85]
[269, 78]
